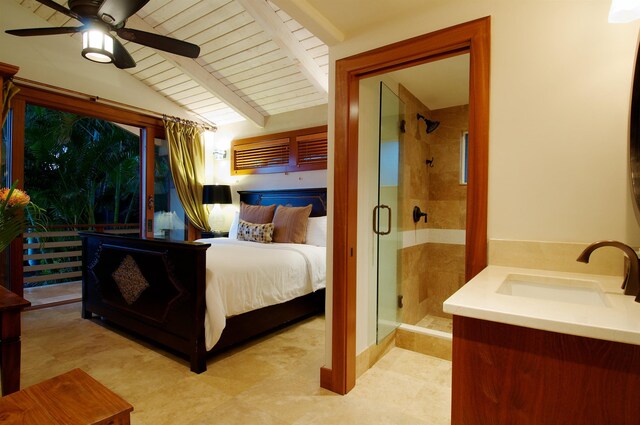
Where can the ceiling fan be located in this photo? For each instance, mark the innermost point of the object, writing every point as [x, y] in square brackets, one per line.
[99, 18]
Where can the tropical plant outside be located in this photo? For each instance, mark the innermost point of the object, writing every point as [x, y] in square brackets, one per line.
[81, 171]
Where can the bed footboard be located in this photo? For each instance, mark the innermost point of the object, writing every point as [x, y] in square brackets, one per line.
[154, 288]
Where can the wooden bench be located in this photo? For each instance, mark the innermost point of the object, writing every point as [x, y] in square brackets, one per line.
[73, 398]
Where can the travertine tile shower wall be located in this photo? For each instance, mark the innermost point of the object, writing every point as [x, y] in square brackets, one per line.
[431, 272]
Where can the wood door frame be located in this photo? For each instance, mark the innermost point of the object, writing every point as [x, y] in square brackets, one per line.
[472, 37]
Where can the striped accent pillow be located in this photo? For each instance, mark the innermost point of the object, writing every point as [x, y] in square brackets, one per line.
[290, 224]
[258, 214]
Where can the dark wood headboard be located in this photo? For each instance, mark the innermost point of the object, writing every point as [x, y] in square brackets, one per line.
[289, 197]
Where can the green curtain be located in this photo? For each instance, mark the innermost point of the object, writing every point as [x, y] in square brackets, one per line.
[186, 158]
[8, 91]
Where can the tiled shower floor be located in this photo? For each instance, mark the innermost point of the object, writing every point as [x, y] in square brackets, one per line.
[443, 324]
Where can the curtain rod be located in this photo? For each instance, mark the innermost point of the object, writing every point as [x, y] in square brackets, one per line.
[188, 122]
[211, 126]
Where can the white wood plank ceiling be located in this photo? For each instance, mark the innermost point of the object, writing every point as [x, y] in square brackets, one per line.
[255, 60]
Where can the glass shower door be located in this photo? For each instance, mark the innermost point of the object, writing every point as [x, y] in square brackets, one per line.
[387, 212]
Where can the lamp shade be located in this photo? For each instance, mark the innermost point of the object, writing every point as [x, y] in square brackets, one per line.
[216, 194]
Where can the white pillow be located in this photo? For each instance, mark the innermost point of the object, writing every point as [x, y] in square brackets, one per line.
[317, 231]
[233, 230]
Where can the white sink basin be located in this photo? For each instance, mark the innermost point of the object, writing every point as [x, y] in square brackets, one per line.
[574, 291]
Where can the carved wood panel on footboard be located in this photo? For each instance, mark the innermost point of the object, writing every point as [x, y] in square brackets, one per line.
[154, 288]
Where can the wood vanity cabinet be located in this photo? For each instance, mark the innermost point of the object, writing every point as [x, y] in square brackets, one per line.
[506, 374]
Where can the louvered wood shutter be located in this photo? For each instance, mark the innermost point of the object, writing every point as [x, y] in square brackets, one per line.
[312, 149]
[270, 155]
[298, 150]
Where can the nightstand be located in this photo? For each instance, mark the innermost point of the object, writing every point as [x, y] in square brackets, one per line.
[206, 235]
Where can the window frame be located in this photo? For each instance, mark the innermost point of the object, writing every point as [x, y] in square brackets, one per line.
[150, 128]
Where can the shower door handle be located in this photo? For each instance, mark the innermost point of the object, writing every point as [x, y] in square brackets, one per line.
[376, 229]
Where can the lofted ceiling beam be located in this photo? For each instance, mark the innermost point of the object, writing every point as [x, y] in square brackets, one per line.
[203, 77]
[310, 18]
[284, 38]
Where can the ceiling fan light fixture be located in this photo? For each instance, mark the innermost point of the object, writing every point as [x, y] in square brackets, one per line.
[97, 46]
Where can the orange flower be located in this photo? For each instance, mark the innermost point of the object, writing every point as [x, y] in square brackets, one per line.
[18, 197]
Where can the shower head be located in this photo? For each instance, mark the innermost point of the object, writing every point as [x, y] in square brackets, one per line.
[431, 125]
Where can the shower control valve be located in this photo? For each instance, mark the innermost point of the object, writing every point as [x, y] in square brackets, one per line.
[418, 214]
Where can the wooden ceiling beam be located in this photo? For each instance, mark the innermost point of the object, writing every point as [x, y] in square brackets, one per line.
[203, 77]
[284, 38]
[310, 18]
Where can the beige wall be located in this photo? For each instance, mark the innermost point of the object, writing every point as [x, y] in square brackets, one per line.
[560, 94]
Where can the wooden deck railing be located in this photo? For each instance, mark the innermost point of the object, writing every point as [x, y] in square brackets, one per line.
[55, 255]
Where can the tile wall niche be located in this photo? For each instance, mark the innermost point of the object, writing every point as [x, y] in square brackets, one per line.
[430, 272]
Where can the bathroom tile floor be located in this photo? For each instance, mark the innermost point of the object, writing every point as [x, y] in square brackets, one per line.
[273, 380]
[443, 324]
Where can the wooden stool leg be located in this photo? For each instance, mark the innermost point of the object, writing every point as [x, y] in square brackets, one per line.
[10, 351]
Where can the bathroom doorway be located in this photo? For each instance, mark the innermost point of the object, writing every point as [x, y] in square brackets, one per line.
[349, 295]
[420, 214]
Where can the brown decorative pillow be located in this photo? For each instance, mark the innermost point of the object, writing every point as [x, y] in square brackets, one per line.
[290, 224]
[258, 214]
[252, 232]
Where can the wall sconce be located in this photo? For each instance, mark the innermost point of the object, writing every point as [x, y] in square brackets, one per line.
[219, 154]
[97, 46]
[623, 11]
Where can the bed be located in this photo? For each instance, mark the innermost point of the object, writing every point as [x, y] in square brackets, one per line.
[161, 290]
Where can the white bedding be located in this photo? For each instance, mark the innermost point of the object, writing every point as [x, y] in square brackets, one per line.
[244, 276]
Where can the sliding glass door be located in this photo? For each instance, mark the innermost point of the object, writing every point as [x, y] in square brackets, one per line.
[91, 166]
[85, 173]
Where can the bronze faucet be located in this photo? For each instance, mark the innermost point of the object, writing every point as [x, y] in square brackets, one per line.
[631, 283]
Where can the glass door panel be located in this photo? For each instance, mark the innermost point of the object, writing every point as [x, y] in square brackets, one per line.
[4, 170]
[169, 217]
[387, 211]
[85, 173]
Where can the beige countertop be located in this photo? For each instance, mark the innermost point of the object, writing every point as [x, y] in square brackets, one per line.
[586, 305]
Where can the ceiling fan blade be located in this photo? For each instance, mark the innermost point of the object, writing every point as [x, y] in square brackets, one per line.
[59, 8]
[122, 58]
[160, 42]
[115, 11]
[27, 32]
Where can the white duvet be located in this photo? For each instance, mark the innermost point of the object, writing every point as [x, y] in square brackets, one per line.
[244, 276]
